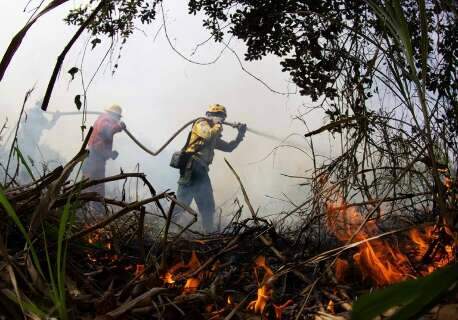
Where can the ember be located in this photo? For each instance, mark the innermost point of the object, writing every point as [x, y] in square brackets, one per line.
[330, 306]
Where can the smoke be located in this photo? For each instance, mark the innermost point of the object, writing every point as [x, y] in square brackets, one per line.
[159, 91]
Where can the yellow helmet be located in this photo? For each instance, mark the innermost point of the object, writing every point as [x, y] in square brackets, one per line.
[217, 108]
[114, 109]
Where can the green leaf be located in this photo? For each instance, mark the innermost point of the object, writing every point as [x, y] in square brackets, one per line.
[95, 42]
[78, 101]
[24, 162]
[61, 256]
[73, 71]
[27, 305]
[412, 295]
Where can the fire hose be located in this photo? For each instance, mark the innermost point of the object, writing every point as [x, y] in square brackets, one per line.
[131, 136]
[230, 124]
[155, 153]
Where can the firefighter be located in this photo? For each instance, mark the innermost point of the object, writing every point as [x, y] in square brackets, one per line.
[100, 145]
[29, 143]
[32, 127]
[194, 182]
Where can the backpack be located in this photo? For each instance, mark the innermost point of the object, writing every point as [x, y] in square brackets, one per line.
[180, 158]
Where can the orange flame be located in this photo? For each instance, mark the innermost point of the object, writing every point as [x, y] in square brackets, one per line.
[168, 278]
[192, 284]
[330, 307]
[101, 238]
[422, 240]
[378, 260]
[264, 291]
[341, 269]
[264, 295]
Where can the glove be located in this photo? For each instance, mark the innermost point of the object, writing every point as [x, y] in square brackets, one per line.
[123, 125]
[114, 155]
[218, 127]
[241, 127]
[242, 130]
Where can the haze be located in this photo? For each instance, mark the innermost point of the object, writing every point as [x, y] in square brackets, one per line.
[159, 91]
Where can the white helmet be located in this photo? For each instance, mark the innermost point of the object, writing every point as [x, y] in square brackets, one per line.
[114, 109]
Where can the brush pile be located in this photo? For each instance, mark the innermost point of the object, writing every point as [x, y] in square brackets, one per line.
[135, 262]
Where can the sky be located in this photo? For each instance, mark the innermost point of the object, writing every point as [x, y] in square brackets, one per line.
[159, 91]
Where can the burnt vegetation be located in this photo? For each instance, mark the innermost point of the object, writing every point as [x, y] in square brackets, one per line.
[381, 213]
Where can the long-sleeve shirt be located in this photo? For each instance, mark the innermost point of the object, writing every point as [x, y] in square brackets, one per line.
[101, 141]
[205, 138]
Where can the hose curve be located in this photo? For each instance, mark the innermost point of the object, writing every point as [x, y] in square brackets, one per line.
[155, 153]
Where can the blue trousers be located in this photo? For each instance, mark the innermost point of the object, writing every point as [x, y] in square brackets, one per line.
[94, 168]
[199, 189]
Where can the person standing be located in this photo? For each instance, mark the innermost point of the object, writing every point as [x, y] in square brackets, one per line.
[194, 183]
[36, 153]
[100, 146]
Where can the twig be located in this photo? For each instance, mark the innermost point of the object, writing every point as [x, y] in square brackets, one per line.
[141, 227]
[17, 39]
[119, 214]
[60, 59]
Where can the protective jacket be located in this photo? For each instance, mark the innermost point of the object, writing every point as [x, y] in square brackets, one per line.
[101, 140]
[194, 183]
[205, 138]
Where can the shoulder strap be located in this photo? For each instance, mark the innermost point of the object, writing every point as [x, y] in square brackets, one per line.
[189, 136]
[200, 147]
[188, 139]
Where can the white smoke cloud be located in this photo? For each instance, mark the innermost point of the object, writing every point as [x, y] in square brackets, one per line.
[159, 91]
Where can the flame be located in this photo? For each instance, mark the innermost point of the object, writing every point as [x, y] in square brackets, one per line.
[330, 307]
[168, 278]
[264, 291]
[192, 283]
[264, 294]
[229, 300]
[101, 239]
[440, 255]
[139, 270]
[194, 262]
[341, 269]
[378, 260]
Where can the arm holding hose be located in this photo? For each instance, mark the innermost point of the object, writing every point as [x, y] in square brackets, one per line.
[231, 145]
